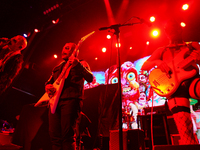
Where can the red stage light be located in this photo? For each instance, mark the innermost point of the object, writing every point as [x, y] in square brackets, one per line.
[103, 49]
[109, 12]
[185, 6]
[50, 9]
[183, 24]
[152, 19]
[55, 21]
[96, 58]
[116, 45]
[147, 42]
[155, 33]
[108, 36]
[55, 56]
[36, 30]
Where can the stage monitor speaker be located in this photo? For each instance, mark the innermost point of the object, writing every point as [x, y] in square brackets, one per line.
[133, 139]
[177, 147]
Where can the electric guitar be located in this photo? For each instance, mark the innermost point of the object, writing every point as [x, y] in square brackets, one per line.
[59, 83]
[165, 84]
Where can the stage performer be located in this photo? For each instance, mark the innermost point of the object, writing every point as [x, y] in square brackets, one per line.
[62, 122]
[11, 59]
[164, 58]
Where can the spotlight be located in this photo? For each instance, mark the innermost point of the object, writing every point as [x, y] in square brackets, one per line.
[36, 30]
[152, 19]
[116, 45]
[185, 6]
[183, 24]
[55, 56]
[155, 33]
[51, 9]
[108, 36]
[103, 49]
[55, 21]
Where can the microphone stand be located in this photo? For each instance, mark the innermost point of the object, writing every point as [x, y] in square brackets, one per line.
[117, 31]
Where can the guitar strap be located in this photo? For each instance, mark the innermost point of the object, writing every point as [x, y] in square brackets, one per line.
[165, 49]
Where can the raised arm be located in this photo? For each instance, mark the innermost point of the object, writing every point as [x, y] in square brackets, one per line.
[156, 60]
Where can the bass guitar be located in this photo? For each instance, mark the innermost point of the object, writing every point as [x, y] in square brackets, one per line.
[59, 83]
[165, 84]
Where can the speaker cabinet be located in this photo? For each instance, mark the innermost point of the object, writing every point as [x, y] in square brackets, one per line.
[133, 139]
[160, 129]
[177, 147]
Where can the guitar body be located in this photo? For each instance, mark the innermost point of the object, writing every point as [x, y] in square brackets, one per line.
[54, 100]
[58, 85]
[166, 84]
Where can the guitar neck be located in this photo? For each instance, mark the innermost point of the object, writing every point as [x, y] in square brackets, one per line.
[186, 62]
[67, 65]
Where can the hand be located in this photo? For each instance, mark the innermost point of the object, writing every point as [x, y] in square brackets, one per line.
[73, 60]
[196, 50]
[50, 89]
[163, 67]
[195, 45]
[195, 54]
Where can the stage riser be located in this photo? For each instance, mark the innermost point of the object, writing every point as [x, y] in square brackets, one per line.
[177, 147]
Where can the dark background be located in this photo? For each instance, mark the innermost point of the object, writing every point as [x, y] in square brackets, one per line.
[77, 18]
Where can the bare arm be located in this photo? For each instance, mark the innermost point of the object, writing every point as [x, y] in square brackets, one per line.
[156, 60]
[153, 60]
[196, 53]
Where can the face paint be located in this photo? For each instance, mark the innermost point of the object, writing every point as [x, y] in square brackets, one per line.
[68, 50]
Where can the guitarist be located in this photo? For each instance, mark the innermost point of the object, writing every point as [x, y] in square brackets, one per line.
[178, 102]
[62, 122]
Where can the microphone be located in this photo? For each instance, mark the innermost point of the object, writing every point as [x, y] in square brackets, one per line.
[103, 28]
[110, 27]
[145, 22]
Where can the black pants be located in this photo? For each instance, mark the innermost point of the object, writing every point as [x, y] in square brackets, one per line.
[62, 124]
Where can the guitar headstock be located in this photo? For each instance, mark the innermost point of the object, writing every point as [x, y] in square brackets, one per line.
[85, 37]
[76, 50]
